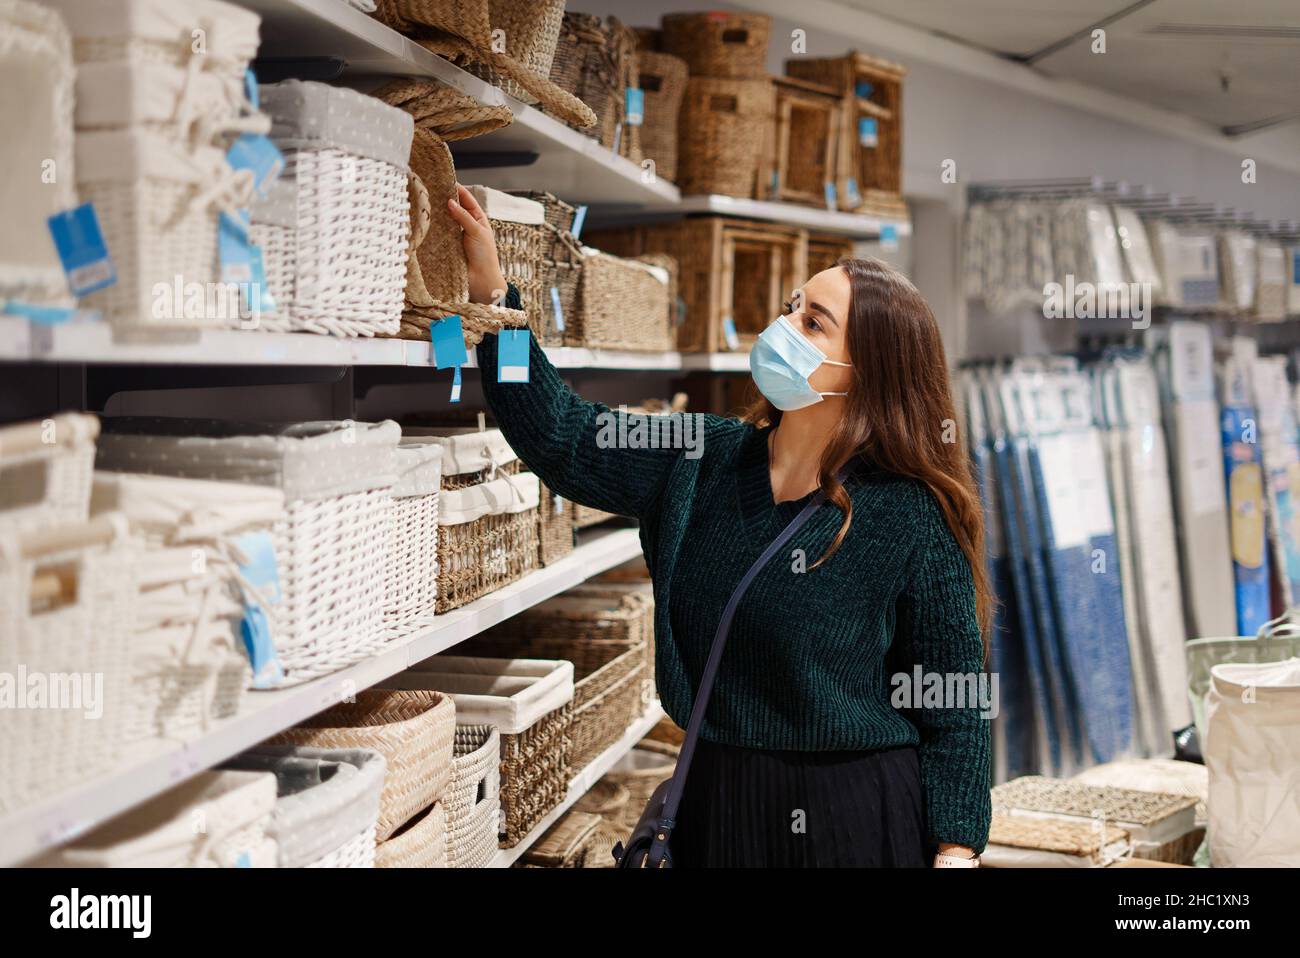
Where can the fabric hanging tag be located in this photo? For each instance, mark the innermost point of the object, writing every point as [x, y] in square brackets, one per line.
[851, 195]
[82, 250]
[512, 356]
[255, 152]
[260, 566]
[251, 89]
[258, 298]
[557, 308]
[234, 250]
[889, 236]
[448, 339]
[729, 332]
[867, 135]
[262, 571]
[830, 195]
[455, 385]
[635, 106]
[44, 315]
[579, 216]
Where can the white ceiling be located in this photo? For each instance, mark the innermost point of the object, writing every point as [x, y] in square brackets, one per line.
[1173, 54]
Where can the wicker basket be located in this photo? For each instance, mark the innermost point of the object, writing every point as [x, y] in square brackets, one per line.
[621, 598]
[566, 844]
[826, 250]
[327, 803]
[726, 125]
[531, 29]
[1019, 841]
[411, 586]
[561, 266]
[420, 843]
[67, 606]
[473, 799]
[663, 80]
[554, 527]
[339, 228]
[45, 472]
[443, 110]
[235, 809]
[531, 704]
[719, 44]
[524, 250]
[609, 800]
[595, 60]
[804, 144]
[622, 304]
[414, 732]
[640, 772]
[336, 478]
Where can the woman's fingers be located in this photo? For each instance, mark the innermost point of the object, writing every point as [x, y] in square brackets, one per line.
[463, 217]
[467, 200]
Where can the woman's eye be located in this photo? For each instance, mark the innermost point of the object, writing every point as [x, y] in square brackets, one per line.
[814, 325]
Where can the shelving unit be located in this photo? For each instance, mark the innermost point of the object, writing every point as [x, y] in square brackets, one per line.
[26, 833]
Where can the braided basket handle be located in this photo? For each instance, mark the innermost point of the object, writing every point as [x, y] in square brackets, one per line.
[421, 210]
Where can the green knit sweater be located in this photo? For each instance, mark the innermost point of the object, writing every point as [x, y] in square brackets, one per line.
[811, 654]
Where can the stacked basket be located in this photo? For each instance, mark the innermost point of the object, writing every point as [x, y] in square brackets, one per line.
[561, 265]
[523, 241]
[663, 84]
[411, 586]
[474, 797]
[623, 304]
[596, 61]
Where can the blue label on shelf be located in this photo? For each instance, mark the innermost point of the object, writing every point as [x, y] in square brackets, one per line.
[851, 195]
[864, 89]
[729, 332]
[258, 298]
[557, 308]
[260, 566]
[251, 89]
[889, 236]
[82, 249]
[867, 135]
[512, 356]
[455, 385]
[45, 315]
[776, 182]
[830, 196]
[255, 152]
[635, 103]
[234, 250]
[448, 340]
[578, 217]
[1295, 267]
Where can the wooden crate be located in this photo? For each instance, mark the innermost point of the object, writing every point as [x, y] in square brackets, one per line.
[868, 179]
[727, 267]
[805, 143]
[825, 250]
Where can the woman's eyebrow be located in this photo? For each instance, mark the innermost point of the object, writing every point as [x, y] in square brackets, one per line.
[825, 312]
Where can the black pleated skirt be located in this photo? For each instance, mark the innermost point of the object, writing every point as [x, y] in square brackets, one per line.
[768, 808]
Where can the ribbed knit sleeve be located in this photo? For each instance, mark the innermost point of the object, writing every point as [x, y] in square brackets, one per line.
[938, 631]
[582, 450]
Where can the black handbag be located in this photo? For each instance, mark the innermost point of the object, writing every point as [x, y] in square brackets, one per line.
[648, 846]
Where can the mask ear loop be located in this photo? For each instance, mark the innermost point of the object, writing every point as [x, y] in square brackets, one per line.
[835, 362]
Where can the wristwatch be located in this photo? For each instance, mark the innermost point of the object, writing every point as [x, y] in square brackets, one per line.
[942, 860]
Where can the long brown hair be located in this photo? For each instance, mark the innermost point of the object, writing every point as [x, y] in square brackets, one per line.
[900, 414]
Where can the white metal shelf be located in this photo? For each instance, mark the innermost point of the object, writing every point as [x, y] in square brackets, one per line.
[582, 783]
[794, 214]
[26, 833]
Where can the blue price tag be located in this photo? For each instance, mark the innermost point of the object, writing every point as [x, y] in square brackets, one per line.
[244, 861]
[776, 181]
[253, 151]
[258, 299]
[82, 249]
[260, 567]
[455, 385]
[851, 194]
[262, 571]
[889, 236]
[867, 135]
[234, 250]
[559, 309]
[1295, 267]
[578, 217]
[251, 89]
[512, 356]
[635, 103]
[448, 339]
[830, 196]
[44, 315]
[864, 89]
[729, 332]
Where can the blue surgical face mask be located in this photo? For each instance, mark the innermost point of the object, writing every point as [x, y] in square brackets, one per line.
[781, 362]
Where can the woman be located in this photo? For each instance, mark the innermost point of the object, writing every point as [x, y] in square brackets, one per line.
[803, 759]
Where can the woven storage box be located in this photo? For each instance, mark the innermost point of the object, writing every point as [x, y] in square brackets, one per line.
[37, 98]
[554, 526]
[189, 664]
[727, 268]
[640, 771]
[719, 44]
[487, 515]
[566, 844]
[868, 174]
[610, 801]
[1161, 826]
[67, 609]
[727, 124]
[629, 608]
[235, 809]
[595, 60]
[336, 478]
[531, 704]
[413, 731]
[622, 304]
[1019, 841]
[826, 250]
[420, 843]
[1165, 775]
[45, 472]
[584, 517]
[663, 82]
[473, 799]
[327, 803]
[338, 225]
[411, 587]
[804, 143]
[665, 738]
[523, 250]
[562, 265]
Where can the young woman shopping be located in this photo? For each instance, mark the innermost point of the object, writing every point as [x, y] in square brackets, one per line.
[803, 758]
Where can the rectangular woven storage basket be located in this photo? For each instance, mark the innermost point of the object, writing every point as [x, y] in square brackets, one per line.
[327, 803]
[718, 43]
[523, 241]
[473, 799]
[622, 304]
[420, 843]
[561, 265]
[45, 472]
[825, 250]
[531, 704]
[663, 82]
[629, 608]
[411, 586]
[804, 144]
[566, 844]
[729, 123]
[554, 527]
[67, 609]
[236, 809]
[595, 60]
[1020, 841]
[412, 730]
[336, 478]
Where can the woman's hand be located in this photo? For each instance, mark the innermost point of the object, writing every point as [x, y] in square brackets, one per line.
[486, 283]
[954, 851]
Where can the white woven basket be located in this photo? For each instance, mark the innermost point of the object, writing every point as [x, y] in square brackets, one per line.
[337, 228]
[45, 470]
[411, 586]
[36, 111]
[215, 820]
[67, 620]
[336, 479]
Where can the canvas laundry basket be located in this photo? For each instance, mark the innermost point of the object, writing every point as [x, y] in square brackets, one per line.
[326, 806]
[236, 811]
[45, 471]
[530, 702]
[343, 193]
[68, 618]
[1277, 641]
[411, 588]
[420, 843]
[336, 478]
[473, 798]
[1252, 752]
[413, 731]
[37, 99]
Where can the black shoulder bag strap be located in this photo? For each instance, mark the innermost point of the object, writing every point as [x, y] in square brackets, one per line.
[657, 854]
